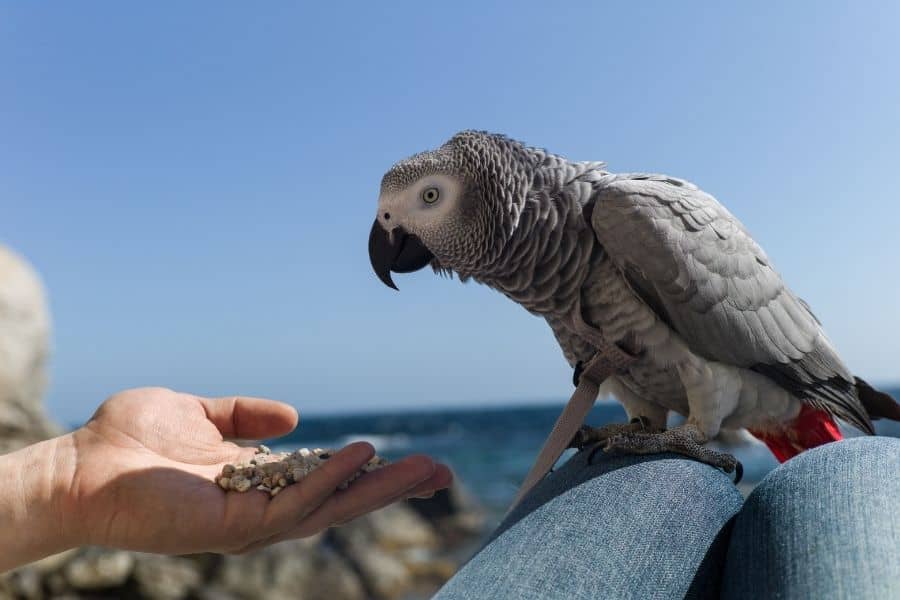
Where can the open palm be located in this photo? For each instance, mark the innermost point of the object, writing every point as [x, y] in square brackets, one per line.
[145, 463]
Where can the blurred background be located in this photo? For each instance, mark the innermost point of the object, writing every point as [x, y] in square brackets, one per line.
[194, 184]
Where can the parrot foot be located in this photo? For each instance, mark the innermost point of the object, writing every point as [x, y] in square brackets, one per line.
[588, 435]
[686, 440]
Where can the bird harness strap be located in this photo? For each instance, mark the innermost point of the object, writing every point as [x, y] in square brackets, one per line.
[608, 360]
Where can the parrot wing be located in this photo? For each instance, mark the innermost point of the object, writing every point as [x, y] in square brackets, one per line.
[697, 267]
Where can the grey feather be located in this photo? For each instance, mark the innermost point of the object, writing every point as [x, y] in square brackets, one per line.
[696, 265]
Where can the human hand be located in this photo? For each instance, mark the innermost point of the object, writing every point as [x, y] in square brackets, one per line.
[143, 468]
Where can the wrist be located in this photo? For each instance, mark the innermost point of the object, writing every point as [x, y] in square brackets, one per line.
[33, 507]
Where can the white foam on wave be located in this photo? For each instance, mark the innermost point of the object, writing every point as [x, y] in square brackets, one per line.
[382, 442]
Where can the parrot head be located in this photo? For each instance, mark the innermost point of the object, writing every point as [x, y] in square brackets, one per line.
[452, 208]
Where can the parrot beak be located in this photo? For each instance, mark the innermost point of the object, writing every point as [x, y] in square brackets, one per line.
[395, 251]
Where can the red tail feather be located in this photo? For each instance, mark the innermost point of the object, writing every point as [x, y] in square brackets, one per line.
[811, 428]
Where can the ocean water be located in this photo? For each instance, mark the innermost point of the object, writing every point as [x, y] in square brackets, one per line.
[491, 449]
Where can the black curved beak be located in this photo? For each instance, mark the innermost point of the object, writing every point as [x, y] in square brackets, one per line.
[397, 251]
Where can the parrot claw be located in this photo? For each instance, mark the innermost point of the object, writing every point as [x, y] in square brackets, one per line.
[686, 440]
[576, 374]
[738, 471]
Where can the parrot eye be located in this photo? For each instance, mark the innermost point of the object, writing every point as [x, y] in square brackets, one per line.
[431, 195]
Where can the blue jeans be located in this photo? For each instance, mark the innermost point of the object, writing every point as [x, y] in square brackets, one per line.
[826, 524]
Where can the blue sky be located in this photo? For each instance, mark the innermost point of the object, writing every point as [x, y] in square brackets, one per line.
[196, 181]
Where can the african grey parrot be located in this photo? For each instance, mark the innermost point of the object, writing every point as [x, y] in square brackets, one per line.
[653, 263]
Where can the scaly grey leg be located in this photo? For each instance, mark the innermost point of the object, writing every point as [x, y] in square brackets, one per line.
[588, 435]
[686, 440]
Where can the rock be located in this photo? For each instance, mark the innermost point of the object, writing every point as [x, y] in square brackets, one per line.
[24, 348]
[54, 562]
[215, 592]
[26, 584]
[392, 528]
[166, 577]
[298, 569]
[245, 575]
[6, 588]
[56, 584]
[453, 512]
[396, 550]
[424, 565]
[97, 569]
[320, 575]
[372, 544]
[385, 576]
[6, 592]
[272, 472]
[398, 527]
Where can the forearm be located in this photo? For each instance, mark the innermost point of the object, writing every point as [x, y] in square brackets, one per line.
[33, 500]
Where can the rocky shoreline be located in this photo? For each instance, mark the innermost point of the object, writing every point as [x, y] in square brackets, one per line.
[404, 551]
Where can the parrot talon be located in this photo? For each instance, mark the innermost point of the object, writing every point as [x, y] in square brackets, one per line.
[738, 472]
[643, 421]
[579, 439]
[576, 374]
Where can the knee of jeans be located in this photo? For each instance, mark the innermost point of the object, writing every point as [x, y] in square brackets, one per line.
[592, 462]
[638, 482]
[699, 486]
[868, 462]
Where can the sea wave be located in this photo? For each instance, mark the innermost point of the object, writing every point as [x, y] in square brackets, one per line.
[382, 442]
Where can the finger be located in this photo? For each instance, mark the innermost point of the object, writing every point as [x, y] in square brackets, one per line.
[249, 418]
[368, 493]
[295, 502]
[442, 478]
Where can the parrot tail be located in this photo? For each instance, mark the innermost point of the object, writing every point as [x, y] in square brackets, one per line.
[877, 404]
[812, 427]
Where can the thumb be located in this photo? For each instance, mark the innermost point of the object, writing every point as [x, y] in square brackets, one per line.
[249, 418]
